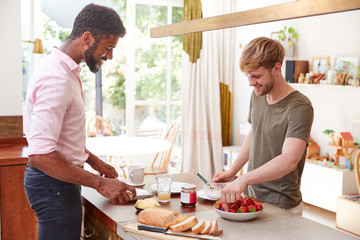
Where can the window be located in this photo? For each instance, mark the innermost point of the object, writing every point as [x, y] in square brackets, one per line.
[153, 66]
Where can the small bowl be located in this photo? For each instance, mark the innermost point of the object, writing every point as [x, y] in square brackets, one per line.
[238, 216]
[214, 192]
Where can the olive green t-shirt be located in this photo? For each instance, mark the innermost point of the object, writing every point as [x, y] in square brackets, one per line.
[291, 117]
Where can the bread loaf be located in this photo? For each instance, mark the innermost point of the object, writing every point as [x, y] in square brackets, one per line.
[177, 220]
[157, 216]
[198, 227]
[185, 225]
[207, 228]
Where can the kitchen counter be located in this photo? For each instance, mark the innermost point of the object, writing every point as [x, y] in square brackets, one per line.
[272, 223]
[17, 218]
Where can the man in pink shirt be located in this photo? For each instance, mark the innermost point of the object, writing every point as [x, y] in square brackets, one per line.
[55, 128]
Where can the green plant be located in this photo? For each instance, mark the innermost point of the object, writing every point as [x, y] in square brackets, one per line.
[287, 34]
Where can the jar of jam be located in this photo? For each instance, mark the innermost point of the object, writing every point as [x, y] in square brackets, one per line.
[188, 195]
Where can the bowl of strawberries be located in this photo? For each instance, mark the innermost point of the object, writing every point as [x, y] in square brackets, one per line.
[244, 209]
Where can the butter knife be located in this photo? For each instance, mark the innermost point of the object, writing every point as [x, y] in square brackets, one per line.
[144, 196]
[166, 231]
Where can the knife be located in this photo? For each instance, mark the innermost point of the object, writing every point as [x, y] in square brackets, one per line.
[144, 196]
[166, 231]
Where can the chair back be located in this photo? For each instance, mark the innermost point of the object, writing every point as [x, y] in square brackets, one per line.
[163, 158]
[98, 127]
[357, 170]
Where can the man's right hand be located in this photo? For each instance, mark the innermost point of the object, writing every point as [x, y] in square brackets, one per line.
[223, 177]
[118, 192]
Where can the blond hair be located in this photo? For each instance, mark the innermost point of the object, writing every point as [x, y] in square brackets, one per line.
[261, 52]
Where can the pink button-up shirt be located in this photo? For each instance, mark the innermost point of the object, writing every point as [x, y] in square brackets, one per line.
[54, 116]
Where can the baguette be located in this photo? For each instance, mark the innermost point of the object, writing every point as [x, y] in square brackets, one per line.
[185, 225]
[177, 220]
[198, 227]
[207, 228]
[159, 217]
[214, 227]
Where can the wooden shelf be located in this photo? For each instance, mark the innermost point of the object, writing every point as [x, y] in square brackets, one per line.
[291, 10]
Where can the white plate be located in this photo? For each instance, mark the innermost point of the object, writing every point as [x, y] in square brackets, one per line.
[136, 185]
[175, 187]
[238, 216]
[202, 194]
[140, 192]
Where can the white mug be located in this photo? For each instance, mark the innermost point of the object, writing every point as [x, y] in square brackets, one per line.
[136, 174]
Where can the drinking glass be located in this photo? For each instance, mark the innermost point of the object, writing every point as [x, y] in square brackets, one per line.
[163, 182]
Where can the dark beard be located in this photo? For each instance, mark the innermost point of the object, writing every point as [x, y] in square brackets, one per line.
[89, 58]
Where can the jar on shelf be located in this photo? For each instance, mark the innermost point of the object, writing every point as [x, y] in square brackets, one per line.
[188, 195]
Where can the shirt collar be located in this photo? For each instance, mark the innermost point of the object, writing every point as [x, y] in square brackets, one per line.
[73, 66]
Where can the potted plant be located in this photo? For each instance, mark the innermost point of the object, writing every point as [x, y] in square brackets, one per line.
[287, 36]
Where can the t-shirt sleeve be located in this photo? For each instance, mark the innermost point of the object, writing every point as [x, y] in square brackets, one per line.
[300, 120]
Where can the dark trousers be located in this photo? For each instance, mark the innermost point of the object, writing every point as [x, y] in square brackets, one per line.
[57, 205]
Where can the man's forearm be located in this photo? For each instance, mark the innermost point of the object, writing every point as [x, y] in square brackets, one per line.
[57, 166]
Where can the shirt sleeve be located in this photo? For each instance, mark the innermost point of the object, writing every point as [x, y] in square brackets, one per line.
[300, 121]
[51, 99]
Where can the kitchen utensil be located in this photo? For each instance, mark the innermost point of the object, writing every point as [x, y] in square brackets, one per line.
[142, 197]
[166, 231]
[203, 179]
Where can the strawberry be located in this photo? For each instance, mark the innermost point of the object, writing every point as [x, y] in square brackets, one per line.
[218, 205]
[242, 210]
[239, 202]
[232, 210]
[234, 206]
[244, 204]
[249, 201]
[252, 208]
[258, 206]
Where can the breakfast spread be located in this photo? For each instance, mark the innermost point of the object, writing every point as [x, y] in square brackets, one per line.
[147, 203]
[160, 217]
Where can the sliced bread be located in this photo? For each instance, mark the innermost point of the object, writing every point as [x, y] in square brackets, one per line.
[185, 225]
[207, 227]
[198, 227]
[177, 220]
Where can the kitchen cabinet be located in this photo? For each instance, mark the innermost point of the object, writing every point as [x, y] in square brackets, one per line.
[17, 218]
[321, 186]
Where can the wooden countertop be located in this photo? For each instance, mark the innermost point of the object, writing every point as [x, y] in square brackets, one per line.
[13, 151]
[273, 223]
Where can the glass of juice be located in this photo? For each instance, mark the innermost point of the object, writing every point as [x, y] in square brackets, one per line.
[163, 183]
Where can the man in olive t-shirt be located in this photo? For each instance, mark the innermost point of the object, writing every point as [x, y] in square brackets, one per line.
[281, 120]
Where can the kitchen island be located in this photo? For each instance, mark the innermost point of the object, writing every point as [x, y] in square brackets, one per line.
[102, 219]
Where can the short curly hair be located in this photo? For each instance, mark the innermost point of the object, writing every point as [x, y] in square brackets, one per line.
[99, 20]
[261, 52]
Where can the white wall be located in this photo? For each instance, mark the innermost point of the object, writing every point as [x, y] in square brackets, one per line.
[10, 61]
[334, 35]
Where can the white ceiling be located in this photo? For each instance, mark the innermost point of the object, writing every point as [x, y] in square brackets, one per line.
[65, 11]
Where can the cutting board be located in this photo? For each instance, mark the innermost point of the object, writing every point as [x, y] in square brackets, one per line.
[132, 227]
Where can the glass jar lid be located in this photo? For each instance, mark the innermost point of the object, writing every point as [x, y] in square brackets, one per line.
[188, 186]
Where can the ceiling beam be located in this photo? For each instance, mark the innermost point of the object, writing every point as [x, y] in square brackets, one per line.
[291, 10]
